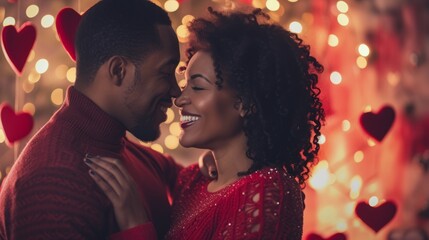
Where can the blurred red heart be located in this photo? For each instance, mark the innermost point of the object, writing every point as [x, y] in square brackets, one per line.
[336, 236]
[67, 22]
[376, 217]
[15, 126]
[378, 124]
[17, 45]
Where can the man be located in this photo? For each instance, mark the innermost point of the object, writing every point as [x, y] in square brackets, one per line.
[126, 56]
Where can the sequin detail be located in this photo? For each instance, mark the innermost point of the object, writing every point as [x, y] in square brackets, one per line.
[264, 205]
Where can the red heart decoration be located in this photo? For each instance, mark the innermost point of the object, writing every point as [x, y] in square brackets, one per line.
[67, 21]
[18, 44]
[378, 124]
[15, 126]
[376, 217]
[336, 236]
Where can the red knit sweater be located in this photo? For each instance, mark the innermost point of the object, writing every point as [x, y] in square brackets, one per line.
[48, 193]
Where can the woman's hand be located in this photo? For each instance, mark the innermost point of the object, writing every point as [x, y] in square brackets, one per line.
[112, 177]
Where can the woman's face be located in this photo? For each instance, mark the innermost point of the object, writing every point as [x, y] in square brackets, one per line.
[209, 118]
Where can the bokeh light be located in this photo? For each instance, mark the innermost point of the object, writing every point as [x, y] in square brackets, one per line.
[333, 40]
[57, 96]
[361, 62]
[32, 11]
[342, 6]
[33, 77]
[42, 66]
[342, 19]
[157, 147]
[364, 50]
[358, 156]
[29, 108]
[336, 78]
[295, 27]
[47, 21]
[175, 129]
[71, 74]
[187, 19]
[373, 201]
[258, 3]
[9, 21]
[272, 5]
[355, 187]
[346, 125]
[170, 116]
[321, 176]
[171, 5]
[321, 139]
[171, 142]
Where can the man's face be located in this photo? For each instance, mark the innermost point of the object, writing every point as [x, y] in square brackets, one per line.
[148, 96]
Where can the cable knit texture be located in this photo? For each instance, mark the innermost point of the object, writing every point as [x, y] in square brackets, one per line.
[266, 204]
[49, 194]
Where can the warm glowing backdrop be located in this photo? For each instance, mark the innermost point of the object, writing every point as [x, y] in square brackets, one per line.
[375, 145]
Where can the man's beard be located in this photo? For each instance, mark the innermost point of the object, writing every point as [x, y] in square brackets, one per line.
[146, 132]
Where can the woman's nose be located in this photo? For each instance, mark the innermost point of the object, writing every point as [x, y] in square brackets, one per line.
[181, 100]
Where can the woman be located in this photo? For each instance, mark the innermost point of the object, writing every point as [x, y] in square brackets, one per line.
[252, 99]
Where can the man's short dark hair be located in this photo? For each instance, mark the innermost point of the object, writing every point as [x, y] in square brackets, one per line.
[116, 27]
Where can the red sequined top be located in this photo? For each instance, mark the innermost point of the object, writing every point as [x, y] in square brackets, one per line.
[266, 204]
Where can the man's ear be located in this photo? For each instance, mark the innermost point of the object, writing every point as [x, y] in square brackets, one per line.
[117, 67]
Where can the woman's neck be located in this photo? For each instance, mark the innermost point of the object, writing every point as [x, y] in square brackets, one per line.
[230, 159]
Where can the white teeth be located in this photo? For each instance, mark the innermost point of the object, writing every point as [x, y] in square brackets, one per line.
[187, 118]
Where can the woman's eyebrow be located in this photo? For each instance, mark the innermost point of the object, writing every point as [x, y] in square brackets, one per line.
[193, 76]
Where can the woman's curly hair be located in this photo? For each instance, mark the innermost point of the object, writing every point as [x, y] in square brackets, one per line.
[275, 79]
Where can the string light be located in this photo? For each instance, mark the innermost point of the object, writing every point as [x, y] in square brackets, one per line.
[42, 66]
[33, 77]
[157, 147]
[363, 50]
[171, 5]
[258, 4]
[47, 21]
[9, 21]
[32, 11]
[171, 142]
[346, 125]
[320, 177]
[272, 5]
[29, 108]
[333, 40]
[321, 139]
[175, 129]
[342, 6]
[373, 201]
[170, 116]
[57, 96]
[71, 75]
[27, 87]
[187, 19]
[336, 78]
[295, 27]
[358, 156]
[355, 186]
[361, 62]
[371, 142]
[342, 19]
